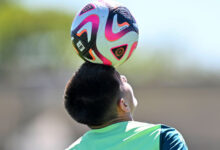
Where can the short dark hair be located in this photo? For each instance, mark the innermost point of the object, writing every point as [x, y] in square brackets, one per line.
[92, 94]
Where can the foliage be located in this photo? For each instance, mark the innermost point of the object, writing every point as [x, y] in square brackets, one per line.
[32, 35]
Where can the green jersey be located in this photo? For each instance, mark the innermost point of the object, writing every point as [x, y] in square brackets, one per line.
[130, 135]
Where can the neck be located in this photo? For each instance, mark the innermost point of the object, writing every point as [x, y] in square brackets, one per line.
[113, 121]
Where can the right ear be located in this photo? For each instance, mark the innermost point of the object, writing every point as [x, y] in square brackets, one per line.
[123, 105]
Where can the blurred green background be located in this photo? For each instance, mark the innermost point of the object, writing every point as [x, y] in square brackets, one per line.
[37, 59]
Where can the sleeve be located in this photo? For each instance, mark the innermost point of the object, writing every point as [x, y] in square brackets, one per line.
[171, 139]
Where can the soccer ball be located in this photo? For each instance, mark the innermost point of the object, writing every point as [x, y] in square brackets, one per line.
[104, 32]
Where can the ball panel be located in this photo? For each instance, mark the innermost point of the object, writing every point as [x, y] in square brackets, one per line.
[87, 8]
[83, 46]
[103, 58]
[119, 51]
[118, 32]
[87, 28]
[105, 46]
[133, 47]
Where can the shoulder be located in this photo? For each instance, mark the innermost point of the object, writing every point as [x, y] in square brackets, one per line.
[171, 139]
[74, 145]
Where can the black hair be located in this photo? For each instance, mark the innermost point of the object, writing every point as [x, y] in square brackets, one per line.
[92, 94]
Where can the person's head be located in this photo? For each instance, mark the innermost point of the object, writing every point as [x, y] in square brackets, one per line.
[97, 94]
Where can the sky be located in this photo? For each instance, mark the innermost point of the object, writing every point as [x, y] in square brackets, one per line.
[191, 27]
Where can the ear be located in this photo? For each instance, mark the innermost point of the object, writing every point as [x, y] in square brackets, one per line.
[123, 105]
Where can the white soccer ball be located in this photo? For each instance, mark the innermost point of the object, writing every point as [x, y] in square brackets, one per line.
[104, 32]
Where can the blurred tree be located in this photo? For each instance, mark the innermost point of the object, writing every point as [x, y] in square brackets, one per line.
[27, 37]
[3, 1]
